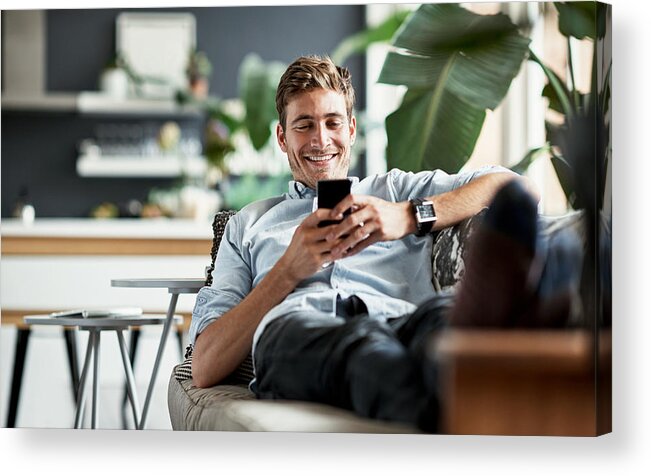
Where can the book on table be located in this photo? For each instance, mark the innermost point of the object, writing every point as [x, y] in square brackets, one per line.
[115, 312]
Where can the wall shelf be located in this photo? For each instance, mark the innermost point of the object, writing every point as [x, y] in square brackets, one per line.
[90, 103]
[96, 103]
[39, 102]
[125, 166]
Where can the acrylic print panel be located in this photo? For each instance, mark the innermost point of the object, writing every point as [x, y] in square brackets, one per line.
[439, 86]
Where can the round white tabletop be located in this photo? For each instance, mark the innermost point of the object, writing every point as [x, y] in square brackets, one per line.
[180, 285]
[100, 322]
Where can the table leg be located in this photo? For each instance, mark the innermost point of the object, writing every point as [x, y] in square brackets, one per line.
[96, 352]
[161, 347]
[131, 381]
[81, 389]
[22, 340]
[71, 351]
[134, 337]
[179, 337]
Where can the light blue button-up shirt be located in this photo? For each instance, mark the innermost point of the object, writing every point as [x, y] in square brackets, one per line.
[392, 278]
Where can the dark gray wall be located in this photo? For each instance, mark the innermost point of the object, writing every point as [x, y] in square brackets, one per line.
[39, 150]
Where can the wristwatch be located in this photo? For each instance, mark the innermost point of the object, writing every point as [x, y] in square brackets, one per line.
[425, 215]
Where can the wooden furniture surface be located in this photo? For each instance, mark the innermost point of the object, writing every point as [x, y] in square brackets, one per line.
[524, 382]
[13, 317]
[52, 245]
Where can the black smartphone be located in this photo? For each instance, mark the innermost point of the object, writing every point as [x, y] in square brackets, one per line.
[329, 193]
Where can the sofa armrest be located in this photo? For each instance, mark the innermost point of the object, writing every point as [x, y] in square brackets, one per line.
[524, 382]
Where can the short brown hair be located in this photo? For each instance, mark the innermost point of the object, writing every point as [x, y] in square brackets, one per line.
[311, 72]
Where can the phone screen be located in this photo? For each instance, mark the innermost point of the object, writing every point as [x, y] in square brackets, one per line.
[329, 194]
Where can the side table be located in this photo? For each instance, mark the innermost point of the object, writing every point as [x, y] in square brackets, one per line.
[174, 287]
[95, 326]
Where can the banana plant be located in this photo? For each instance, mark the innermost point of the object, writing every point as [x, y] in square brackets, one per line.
[579, 146]
[359, 42]
[455, 64]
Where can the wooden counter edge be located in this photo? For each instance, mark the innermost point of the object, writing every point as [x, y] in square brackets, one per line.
[44, 245]
[14, 317]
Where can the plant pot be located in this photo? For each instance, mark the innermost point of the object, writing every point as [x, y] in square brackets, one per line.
[199, 87]
[115, 83]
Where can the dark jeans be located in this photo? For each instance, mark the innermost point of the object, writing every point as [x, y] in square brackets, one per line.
[377, 369]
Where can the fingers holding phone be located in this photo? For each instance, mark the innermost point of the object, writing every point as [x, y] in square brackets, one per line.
[308, 251]
[372, 220]
[329, 194]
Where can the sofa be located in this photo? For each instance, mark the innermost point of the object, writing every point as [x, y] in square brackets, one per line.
[487, 377]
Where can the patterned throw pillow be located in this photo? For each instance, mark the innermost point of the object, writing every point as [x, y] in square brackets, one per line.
[240, 376]
[449, 251]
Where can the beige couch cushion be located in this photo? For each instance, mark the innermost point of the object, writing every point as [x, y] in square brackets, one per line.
[235, 408]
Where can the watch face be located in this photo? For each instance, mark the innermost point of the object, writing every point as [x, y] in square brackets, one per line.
[425, 212]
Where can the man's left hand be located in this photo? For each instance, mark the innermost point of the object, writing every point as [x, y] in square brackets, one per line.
[372, 220]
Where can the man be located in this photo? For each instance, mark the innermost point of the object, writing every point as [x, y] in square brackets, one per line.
[337, 314]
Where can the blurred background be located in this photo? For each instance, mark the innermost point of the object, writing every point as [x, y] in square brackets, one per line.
[91, 102]
[148, 112]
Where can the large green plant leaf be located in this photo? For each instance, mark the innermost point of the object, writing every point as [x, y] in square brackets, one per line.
[258, 82]
[361, 41]
[577, 19]
[453, 127]
[562, 93]
[456, 65]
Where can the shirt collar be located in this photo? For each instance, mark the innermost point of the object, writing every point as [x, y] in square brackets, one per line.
[300, 190]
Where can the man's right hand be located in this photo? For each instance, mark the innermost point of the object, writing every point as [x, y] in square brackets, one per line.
[224, 344]
[308, 251]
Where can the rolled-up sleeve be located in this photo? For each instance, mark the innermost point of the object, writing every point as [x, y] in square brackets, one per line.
[231, 282]
[409, 185]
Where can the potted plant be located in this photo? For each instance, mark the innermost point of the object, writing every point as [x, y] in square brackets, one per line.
[198, 73]
[457, 64]
[114, 80]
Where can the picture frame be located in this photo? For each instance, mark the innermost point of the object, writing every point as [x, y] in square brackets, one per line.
[156, 46]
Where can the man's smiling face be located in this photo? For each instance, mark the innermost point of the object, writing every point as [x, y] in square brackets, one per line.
[317, 137]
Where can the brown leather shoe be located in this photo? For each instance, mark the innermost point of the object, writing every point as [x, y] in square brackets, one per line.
[500, 276]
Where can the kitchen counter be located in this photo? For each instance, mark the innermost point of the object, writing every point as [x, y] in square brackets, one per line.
[85, 236]
[108, 228]
[72, 261]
